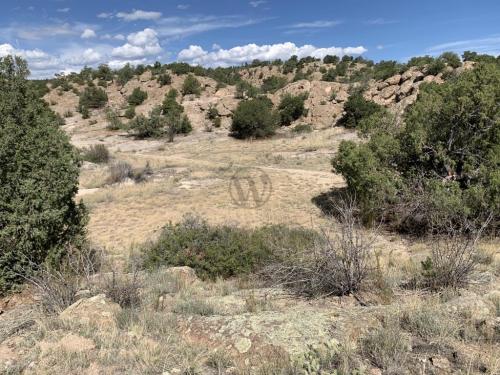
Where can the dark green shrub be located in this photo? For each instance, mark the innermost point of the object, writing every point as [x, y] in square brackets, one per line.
[84, 112]
[329, 59]
[436, 67]
[191, 86]
[39, 216]
[291, 108]
[125, 74]
[302, 128]
[386, 69]
[451, 59]
[164, 79]
[103, 73]
[330, 75]
[170, 105]
[442, 167]
[137, 97]
[253, 119]
[420, 61]
[356, 108]
[152, 127]
[96, 154]
[92, 97]
[114, 122]
[221, 251]
[130, 112]
[185, 126]
[273, 83]
[290, 65]
[245, 89]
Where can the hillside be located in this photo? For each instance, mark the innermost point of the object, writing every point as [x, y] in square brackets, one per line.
[194, 277]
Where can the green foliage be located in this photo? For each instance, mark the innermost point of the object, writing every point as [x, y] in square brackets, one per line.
[130, 112]
[92, 97]
[474, 56]
[170, 105]
[273, 83]
[436, 67]
[39, 218]
[291, 108]
[191, 86]
[114, 122]
[220, 251]
[245, 89]
[152, 127]
[290, 65]
[253, 119]
[420, 61]
[442, 166]
[386, 69]
[125, 74]
[356, 108]
[451, 59]
[164, 79]
[330, 75]
[302, 128]
[103, 73]
[137, 97]
[329, 59]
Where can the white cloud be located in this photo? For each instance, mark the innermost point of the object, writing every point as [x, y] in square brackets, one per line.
[257, 3]
[315, 24]
[140, 44]
[8, 49]
[216, 47]
[242, 54]
[47, 31]
[113, 37]
[180, 27]
[137, 15]
[88, 33]
[63, 10]
[105, 15]
[490, 45]
[183, 6]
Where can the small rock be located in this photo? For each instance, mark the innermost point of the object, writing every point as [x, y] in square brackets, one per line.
[394, 80]
[96, 310]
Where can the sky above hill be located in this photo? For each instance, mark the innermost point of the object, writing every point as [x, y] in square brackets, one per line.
[64, 35]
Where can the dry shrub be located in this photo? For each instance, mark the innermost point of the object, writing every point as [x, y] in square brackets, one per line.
[98, 153]
[123, 289]
[338, 263]
[453, 258]
[119, 171]
[387, 346]
[56, 288]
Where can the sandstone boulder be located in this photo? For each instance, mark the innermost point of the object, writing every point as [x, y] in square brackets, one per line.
[97, 310]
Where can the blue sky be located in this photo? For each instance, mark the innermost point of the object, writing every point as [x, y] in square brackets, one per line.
[65, 35]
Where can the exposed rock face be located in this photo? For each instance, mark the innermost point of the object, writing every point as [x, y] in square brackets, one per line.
[97, 310]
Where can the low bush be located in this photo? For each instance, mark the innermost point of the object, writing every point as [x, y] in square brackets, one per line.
[220, 251]
[148, 127]
[123, 290]
[357, 108]
[253, 119]
[191, 86]
[130, 112]
[451, 59]
[96, 154]
[291, 108]
[92, 97]
[436, 67]
[273, 83]
[337, 264]
[302, 128]
[164, 79]
[113, 119]
[119, 171]
[329, 59]
[137, 97]
[386, 69]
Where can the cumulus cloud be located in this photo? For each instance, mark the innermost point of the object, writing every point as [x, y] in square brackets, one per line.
[140, 44]
[247, 53]
[137, 15]
[113, 37]
[88, 33]
[35, 54]
[105, 15]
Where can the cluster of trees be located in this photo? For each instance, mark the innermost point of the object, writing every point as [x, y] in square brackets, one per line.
[438, 168]
[165, 120]
[256, 118]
